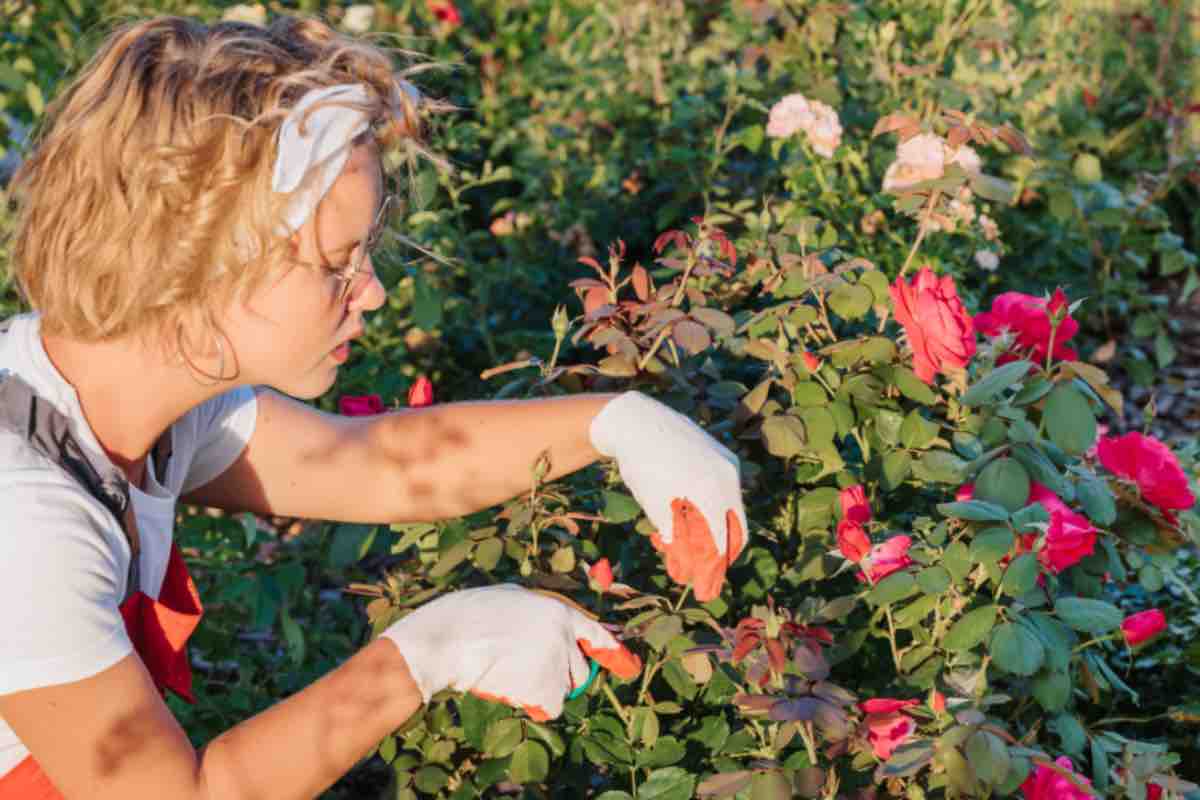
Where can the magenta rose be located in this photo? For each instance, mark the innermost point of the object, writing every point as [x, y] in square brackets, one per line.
[1028, 317]
[1151, 465]
[886, 558]
[887, 726]
[360, 405]
[1044, 783]
[1143, 626]
[1070, 536]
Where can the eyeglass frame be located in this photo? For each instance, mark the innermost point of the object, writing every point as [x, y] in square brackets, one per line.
[347, 273]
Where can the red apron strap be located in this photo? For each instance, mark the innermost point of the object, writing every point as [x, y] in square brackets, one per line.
[27, 781]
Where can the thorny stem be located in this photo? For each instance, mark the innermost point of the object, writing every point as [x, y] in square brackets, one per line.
[921, 229]
[806, 733]
[654, 347]
[887, 610]
[1096, 640]
[616, 704]
[682, 596]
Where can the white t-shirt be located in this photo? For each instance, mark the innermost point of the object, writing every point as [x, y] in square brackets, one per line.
[64, 558]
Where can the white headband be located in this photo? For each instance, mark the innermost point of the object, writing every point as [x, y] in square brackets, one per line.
[322, 147]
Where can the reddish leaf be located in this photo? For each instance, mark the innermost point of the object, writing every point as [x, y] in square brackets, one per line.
[596, 297]
[642, 285]
[591, 262]
[893, 122]
[776, 656]
[691, 336]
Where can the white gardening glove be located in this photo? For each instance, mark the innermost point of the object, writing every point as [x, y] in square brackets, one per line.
[686, 482]
[508, 644]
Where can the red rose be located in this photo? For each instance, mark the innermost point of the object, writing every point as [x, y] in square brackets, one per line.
[853, 500]
[420, 393]
[811, 362]
[1070, 536]
[937, 701]
[886, 558]
[939, 329]
[1144, 626]
[1044, 783]
[1029, 318]
[360, 405]
[601, 572]
[887, 726]
[853, 540]
[445, 12]
[1151, 465]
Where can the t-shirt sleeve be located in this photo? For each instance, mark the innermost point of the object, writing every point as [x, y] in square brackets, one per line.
[222, 427]
[63, 566]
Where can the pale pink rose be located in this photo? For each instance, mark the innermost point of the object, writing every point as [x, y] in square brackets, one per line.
[987, 260]
[991, 231]
[789, 116]
[966, 157]
[921, 158]
[824, 131]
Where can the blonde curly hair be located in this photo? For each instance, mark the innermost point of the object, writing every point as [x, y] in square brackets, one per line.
[145, 205]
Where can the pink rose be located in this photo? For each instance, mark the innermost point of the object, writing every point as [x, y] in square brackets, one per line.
[360, 405]
[420, 393]
[1029, 318]
[886, 558]
[601, 572]
[824, 130]
[1143, 626]
[1070, 536]
[886, 705]
[887, 726]
[1151, 465]
[1044, 783]
[853, 540]
[939, 329]
[853, 500]
[789, 116]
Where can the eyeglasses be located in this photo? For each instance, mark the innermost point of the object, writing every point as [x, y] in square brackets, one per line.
[348, 273]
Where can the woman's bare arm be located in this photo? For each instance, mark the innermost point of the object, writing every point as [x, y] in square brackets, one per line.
[112, 736]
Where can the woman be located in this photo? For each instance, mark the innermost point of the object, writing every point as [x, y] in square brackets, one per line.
[194, 234]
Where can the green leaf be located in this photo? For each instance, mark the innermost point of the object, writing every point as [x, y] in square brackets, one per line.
[1003, 482]
[896, 467]
[1028, 518]
[1021, 575]
[896, 586]
[913, 387]
[784, 435]
[988, 756]
[974, 510]
[487, 553]
[971, 629]
[1089, 616]
[917, 432]
[957, 559]
[851, 301]
[770, 785]
[941, 466]
[1052, 689]
[991, 545]
[934, 580]
[1070, 732]
[668, 783]
[995, 382]
[1069, 420]
[476, 715]
[530, 763]
[428, 302]
[620, 507]
[1016, 649]
[502, 737]
[907, 759]
[451, 558]
[1097, 500]
[350, 544]
[430, 779]
[819, 427]
[666, 751]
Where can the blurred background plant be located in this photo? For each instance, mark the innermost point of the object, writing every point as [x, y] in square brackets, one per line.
[1015, 146]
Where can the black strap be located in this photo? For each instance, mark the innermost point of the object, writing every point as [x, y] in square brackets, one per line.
[48, 432]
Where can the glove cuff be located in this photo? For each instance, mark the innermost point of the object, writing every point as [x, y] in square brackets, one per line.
[410, 650]
[613, 419]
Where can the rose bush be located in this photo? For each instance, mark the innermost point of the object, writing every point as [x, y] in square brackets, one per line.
[789, 321]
